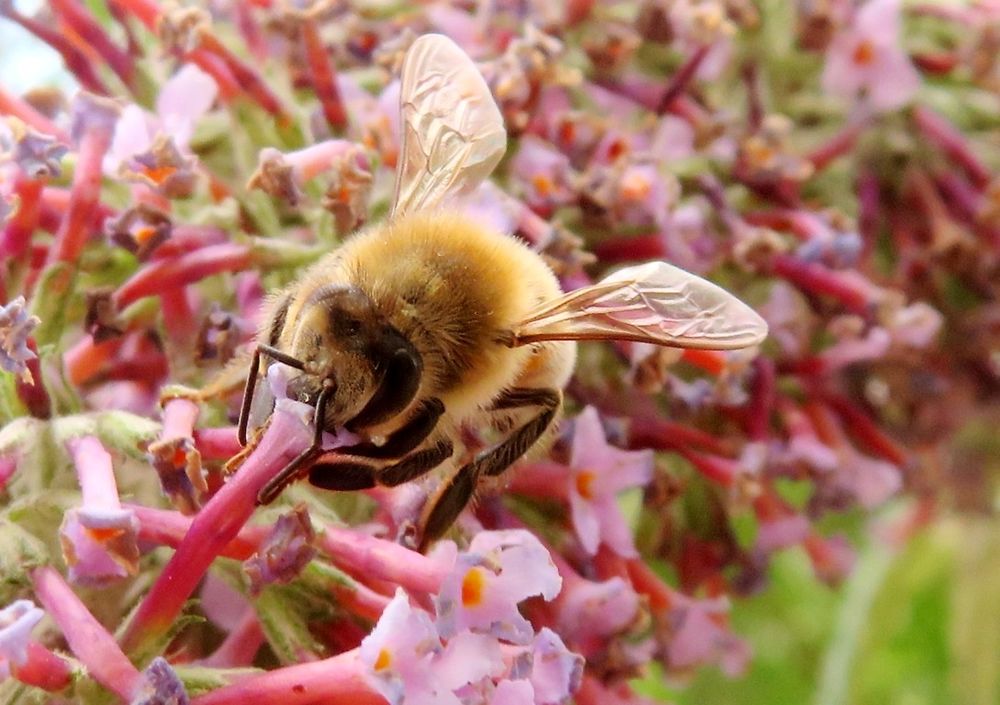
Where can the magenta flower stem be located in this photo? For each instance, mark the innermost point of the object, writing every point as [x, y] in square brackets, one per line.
[43, 669]
[819, 279]
[8, 466]
[76, 61]
[180, 317]
[94, 472]
[940, 132]
[217, 443]
[247, 77]
[645, 432]
[16, 235]
[218, 523]
[156, 276]
[680, 81]
[89, 641]
[317, 158]
[322, 75]
[839, 145]
[179, 417]
[75, 230]
[632, 248]
[379, 559]
[81, 21]
[338, 680]
[168, 528]
[11, 104]
[762, 396]
[240, 645]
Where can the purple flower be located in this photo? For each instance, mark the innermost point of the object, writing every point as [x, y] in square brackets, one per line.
[16, 325]
[38, 155]
[16, 622]
[482, 592]
[160, 686]
[866, 57]
[598, 472]
[98, 538]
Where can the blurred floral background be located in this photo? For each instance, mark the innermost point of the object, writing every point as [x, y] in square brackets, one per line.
[814, 521]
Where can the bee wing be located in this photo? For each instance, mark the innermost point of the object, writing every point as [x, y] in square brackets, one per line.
[650, 303]
[452, 131]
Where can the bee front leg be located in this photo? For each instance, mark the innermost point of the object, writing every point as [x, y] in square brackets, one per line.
[345, 475]
[405, 438]
[452, 497]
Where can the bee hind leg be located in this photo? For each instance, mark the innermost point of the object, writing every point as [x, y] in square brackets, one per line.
[453, 495]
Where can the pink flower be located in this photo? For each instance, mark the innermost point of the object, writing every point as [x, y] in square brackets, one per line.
[866, 57]
[98, 538]
[556, 671]
[593, 612]
[697, 637]
[407, 662]
[183, 100]
[16, 622]
[500, 569]
[544, 174]
[598, 472]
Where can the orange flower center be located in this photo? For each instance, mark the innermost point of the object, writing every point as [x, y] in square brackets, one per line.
[542, 184]
[102, 535]
[864, 53]
[144, 234]
[384, 660]
[635, 187]
[473, 587]
[160, 174]
[585, 483]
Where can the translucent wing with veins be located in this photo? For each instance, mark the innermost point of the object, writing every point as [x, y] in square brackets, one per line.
[452, 131]
[650, 303]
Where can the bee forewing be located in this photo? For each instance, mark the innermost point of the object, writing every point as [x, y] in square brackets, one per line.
[651, 303]
[452, 131]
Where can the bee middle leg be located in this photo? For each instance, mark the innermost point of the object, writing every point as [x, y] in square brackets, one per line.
[452, 497]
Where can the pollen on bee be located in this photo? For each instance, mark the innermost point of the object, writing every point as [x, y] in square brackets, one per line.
[473, 587]
[585, 484]
[383, 661]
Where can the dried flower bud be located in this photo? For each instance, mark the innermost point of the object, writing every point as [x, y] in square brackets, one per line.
[349, 190]
[179, 28]
[101, 321]
[276, 177]
[178, 463]
[162, 167]
[288, 548]
[218, 337]
[140, 229]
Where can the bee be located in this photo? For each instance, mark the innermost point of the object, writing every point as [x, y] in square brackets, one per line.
[433, 322]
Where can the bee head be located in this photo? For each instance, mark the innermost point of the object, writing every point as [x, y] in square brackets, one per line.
[341, 336]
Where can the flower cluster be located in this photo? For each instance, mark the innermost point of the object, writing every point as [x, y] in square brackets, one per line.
[832, 163]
